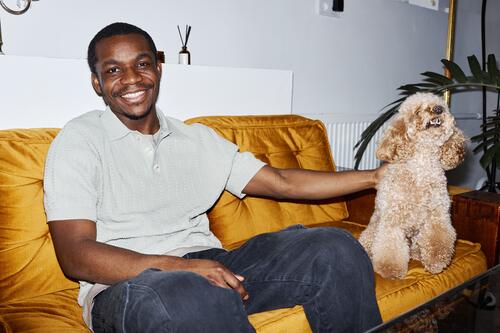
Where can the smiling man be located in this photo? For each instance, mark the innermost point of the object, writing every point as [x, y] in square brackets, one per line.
[126, 192]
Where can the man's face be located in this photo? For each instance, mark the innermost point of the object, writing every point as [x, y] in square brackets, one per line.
[128, 76]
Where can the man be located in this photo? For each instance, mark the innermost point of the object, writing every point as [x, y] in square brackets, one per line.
[126, 191]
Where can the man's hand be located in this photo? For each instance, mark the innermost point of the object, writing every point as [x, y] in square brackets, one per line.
[217, 274]
[379, 173]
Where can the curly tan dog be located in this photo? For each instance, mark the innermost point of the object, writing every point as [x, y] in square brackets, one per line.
[411, 218]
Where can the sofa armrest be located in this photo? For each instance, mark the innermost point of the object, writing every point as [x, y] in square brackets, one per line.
[476, 216]
[360, 206]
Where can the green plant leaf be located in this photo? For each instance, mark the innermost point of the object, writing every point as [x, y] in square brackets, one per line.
[437, 78]
[487, 143]
[492, 69]
[486, 134]
[419, 87]
[370, 132]
[475, 68]
[487, 158]
[456, 72]
[410, 88]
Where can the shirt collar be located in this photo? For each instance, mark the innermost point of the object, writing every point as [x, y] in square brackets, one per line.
[115, 129]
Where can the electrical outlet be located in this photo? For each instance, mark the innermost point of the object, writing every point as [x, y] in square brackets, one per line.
[324, 7]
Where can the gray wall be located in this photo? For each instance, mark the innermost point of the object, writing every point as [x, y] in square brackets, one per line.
[468, 42]
[351, 64]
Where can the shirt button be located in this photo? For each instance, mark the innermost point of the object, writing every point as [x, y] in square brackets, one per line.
[156, 167]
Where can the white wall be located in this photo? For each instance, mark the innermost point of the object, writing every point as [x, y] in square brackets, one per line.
[341, 65]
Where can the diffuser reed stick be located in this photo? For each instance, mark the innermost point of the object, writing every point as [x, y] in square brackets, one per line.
[184, 55]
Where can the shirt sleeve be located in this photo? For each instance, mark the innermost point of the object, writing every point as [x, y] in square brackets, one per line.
[245, 166]
[242, 166]
[70, 179]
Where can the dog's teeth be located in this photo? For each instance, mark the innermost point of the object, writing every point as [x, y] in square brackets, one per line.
[435, 121]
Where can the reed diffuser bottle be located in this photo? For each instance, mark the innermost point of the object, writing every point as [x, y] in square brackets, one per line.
[184, 55]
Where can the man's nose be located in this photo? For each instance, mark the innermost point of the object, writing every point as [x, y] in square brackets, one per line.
[438, 109]
[131, 76]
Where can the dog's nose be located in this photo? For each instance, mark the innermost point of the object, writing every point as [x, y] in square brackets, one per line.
[438, 109]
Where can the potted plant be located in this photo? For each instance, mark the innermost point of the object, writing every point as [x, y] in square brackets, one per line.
[488, 140]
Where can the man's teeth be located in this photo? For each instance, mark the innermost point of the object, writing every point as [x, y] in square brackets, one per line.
[133, 95]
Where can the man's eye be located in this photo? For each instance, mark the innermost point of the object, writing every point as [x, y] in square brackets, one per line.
[112, 70]
[143, 64]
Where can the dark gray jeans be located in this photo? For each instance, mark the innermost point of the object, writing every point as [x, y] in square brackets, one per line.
[324, 269]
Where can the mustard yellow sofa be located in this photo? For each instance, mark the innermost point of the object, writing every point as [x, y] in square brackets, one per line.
[35, 296]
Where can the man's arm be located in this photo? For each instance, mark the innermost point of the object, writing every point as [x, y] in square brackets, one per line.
[308, 184]
[83, 258]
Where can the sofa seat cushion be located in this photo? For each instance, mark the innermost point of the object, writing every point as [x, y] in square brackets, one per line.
[287, 141]
[53, 313]
[288, 320]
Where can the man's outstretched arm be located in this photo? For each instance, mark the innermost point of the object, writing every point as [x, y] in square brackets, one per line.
[308, 184]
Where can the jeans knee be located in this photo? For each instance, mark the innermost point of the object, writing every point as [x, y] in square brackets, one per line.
[188, 302]
[333, 245]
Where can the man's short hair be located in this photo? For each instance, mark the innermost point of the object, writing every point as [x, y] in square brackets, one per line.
[116, 29]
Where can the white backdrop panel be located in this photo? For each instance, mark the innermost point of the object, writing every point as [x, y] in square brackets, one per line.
[47, 92]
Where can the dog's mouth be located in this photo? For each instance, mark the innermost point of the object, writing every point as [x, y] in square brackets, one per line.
[434, 122]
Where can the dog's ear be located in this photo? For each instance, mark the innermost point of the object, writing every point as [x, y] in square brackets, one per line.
[395, 145]
[453, 150]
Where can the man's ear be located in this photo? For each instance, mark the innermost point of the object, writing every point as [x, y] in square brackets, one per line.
[159, 67]
[95, 84]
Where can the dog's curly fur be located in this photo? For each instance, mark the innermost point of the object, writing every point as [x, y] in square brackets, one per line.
[411, 218]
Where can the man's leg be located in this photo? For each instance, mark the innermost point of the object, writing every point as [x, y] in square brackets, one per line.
[324, 269]
[157, 301]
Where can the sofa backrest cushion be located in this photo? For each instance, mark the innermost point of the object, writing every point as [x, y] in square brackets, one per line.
[287, 141]
[28, 265]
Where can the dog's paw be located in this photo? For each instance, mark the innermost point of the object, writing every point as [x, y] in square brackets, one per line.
[435, 267]
[390, 269]
[436, 259]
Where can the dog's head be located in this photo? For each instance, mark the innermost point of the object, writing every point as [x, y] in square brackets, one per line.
[423, 123]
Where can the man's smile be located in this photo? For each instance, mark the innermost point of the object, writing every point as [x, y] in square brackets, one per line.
[134, 97]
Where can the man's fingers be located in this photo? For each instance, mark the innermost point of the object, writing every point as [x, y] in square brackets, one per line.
[217, 274]
[241, 278]
[234, 281]
[218, 279]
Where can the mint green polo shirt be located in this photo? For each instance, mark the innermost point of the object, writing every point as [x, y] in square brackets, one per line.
[145, 193]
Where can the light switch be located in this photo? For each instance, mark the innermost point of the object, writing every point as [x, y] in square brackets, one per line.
[325, 7]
